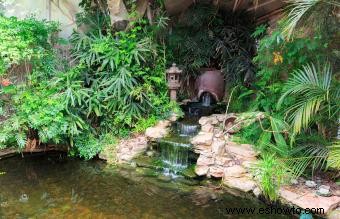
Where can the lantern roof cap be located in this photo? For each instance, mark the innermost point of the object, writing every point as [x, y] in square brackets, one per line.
[174, 69]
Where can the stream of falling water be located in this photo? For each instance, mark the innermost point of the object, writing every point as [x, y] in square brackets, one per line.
[206, 99]
[175, 149]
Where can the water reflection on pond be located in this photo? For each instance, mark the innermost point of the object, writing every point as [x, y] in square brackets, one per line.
[57, 187]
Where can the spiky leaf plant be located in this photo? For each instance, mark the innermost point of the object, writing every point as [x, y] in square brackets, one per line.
[316, 97]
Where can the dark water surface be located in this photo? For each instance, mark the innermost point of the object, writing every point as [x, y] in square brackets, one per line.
[54, 186]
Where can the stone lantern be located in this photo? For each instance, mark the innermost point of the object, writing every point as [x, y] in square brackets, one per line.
[173, 78]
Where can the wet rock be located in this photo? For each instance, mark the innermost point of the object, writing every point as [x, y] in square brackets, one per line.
[156, 132]
[216, 171]
[24, 198]
[201, 170]
[294, 182]
[324, 191]
[243, 150]
[306, 198]
[249, 164]
[310, 184]
[203, 120]
[222, 160]
[189, 173]
[133, 164]
[234, 171]
[204, 160]
[150, 153]
[203, 138]
[207, 128]
[257, 191]
[244, 184]
[4, 204]
[218, 147]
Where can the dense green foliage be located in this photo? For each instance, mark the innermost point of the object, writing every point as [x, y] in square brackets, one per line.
[23, 40]
[205, 37]
[297, 87]
[316, 98]
[124, 77]
[116, 86]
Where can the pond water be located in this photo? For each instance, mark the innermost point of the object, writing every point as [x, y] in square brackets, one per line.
[54, 186]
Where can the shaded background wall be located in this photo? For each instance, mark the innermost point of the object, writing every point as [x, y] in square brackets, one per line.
[62, 11]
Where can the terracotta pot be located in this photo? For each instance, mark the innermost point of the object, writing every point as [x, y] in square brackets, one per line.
[210, 81]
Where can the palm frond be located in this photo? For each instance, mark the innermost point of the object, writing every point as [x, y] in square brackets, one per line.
[334, 156]
[311, 89]
[299, 10]
[314, 156]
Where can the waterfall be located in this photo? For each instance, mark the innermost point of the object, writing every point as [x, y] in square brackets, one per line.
[175, 156]
[175, 149]
[185, 129]
[206, 99]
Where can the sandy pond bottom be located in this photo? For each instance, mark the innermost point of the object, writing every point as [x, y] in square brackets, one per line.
[54, 186]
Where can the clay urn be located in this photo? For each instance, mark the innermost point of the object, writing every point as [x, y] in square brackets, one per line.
[210, 81]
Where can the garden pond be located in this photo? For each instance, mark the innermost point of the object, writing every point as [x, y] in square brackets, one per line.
[56, 186]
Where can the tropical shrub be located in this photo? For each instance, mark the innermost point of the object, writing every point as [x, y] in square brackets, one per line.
[118, 79]
[23, 40]
[124, 76]
[316, 99]
[317, 14]
[302, 98]
[275, 59]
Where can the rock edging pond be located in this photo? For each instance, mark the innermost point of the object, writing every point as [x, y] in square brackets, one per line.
[220, 157]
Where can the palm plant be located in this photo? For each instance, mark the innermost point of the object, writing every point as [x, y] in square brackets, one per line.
[315, 156]
[300, 10]
[316, 98]
[316, 101]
